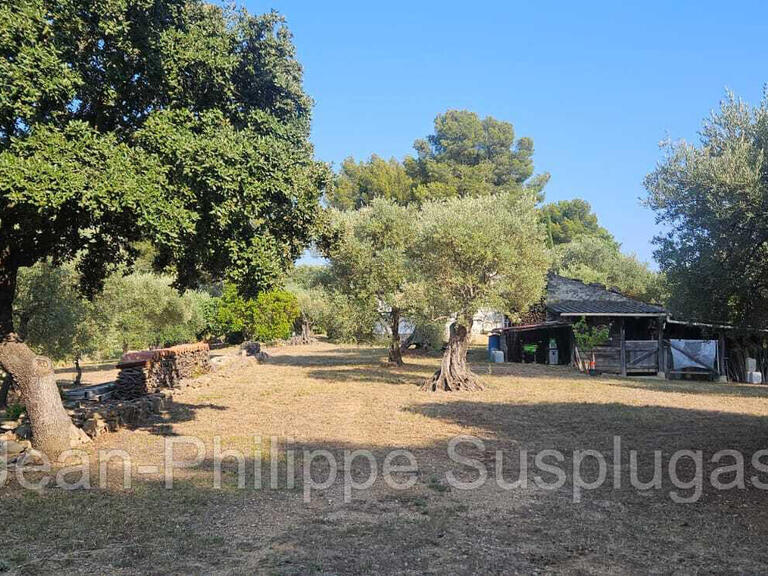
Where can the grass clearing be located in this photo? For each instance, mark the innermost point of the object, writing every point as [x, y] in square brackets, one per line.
[346, 397]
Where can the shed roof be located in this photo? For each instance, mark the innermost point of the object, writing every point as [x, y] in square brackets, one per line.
[570, 297]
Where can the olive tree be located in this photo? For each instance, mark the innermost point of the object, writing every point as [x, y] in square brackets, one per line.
[370, 263]
[473, 253]
[712, 198]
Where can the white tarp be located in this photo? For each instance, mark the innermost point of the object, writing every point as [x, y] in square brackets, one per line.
[694, 354]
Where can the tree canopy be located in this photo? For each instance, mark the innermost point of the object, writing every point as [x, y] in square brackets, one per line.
[470, 156]
[567, 220]
[370, 263]
[177, 121]
[596, 259]
[465, 156]
[486, 251]
[359, 183]
[712, 199]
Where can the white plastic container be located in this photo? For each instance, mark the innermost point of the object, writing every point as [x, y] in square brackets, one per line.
[497, 356]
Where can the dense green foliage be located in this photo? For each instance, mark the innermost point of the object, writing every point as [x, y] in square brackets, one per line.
[369, 260]
[465, 156]
[270, 316]
[52, 315]
[713, 200]
[481, 252]
[370, 264]
[142, 310]
[176, 121]
[567, 220]
[133, 311]
[588, 337]
[595, 259]
[306, 284]
[360, 182]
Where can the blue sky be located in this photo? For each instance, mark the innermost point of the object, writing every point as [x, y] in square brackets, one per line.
[597, 85]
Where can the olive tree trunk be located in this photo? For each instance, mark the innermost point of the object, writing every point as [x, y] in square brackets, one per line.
[395, 353]
[454, 373]
[307, 334]
[78, 371]
[52, 428]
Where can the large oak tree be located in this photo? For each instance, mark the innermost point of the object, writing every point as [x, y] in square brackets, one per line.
[170, 120]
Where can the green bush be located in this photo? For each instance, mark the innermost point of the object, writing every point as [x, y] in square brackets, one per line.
[51, 314]
[429, 335]
[13, 411]
[348, 319]
[587, 337]
[270, 316]
[274, 316]
[140, 310]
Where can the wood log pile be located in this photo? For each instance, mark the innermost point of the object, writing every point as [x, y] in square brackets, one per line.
[96, 418]
[148, 371]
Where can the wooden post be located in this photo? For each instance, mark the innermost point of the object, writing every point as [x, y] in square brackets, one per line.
[662, 356]
[721, 356]
[623, 348]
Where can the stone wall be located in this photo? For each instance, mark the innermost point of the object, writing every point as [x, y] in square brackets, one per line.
[148, 371]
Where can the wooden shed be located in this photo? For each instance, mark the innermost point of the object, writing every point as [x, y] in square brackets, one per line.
[636, 328]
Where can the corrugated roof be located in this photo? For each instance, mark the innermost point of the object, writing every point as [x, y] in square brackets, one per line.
[587, 307]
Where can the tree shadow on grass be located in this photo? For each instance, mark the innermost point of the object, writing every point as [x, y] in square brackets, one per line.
[562, 372]
[693, 387]
[567, 427]
[429, 528]
[410, 374]
[344, 357]
[176, 413]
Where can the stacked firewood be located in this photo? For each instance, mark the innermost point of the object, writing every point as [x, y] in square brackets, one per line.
[131, 381]
[148, 371]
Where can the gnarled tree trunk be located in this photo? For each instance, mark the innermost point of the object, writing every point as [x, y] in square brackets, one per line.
[307, 334]
[78, 371]
[395, 354]
[52, 428]
[454, 373]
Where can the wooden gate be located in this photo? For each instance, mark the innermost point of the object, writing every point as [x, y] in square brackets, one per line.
[642, 356]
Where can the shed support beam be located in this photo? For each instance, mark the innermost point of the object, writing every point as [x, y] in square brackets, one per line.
[662, 356]
[721, 357]
[623, 346]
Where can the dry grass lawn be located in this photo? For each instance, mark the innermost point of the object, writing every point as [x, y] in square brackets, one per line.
[345, 397]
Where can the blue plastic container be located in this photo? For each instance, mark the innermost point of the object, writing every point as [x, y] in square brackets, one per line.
[494, 343]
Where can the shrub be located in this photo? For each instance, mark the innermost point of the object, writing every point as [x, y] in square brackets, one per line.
[14, 411]
[142, 310]
[348, 319]
[273, 316]
[587, 337]
[270, 316]
[429, 335]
